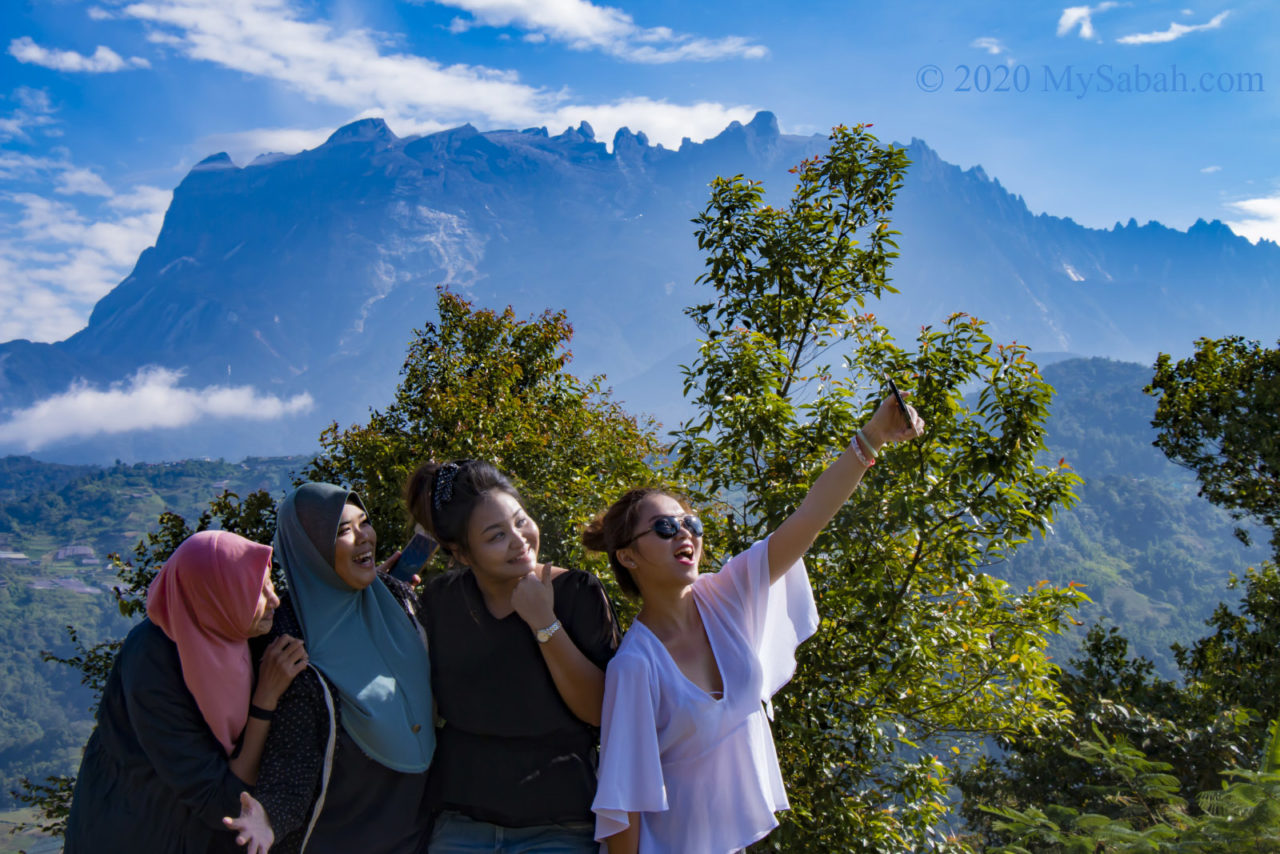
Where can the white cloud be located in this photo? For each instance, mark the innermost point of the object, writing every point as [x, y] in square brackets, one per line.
[989, 44]
[1082, 17]
[1260, 218]
[76, 181]
[1209, 170]
[1175, 31]
[585, 26]
[150, 399]
[104, 59]
[56, 262]
[34, 110]
[270, 39]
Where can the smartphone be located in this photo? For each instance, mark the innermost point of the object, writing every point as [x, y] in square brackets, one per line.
[902, 405]
[414, 556]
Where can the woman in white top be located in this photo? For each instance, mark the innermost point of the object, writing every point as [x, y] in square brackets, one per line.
[687, 758]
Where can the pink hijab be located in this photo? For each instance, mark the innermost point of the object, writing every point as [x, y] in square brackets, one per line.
[205, 598]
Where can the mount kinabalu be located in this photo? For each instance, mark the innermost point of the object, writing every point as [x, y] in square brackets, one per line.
[307, 272]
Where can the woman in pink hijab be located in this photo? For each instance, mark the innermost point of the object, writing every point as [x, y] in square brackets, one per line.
[183, 718]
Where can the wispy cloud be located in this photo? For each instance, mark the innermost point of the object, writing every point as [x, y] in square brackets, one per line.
[1209, 170]
[34, 110]
[271, 39]
[1260, 218]
[1175, 31]
[991, 45]
[1082, 17]
[56, 262]
[150, 399]
[585, 26]
[104, 59]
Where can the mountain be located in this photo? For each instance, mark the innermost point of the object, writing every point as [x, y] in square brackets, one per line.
[307, 273]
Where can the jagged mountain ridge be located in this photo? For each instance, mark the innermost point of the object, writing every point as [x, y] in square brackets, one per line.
[307, 272]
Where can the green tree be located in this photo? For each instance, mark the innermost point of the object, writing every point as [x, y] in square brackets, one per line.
[1216, 414]
[920, 650]
[485, 385]
[1189, 732]
[1242, 816]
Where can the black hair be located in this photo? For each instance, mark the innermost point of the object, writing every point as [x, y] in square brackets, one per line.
[442, 496]
[613, 528]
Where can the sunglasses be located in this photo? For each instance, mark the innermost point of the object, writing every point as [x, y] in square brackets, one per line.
[666, 527]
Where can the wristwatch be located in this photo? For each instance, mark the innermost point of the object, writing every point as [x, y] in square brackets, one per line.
[544, 635]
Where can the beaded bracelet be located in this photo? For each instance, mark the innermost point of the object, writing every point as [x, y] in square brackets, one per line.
[857, 452]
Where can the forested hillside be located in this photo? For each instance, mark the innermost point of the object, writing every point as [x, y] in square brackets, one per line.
[1154, 557]
[58, 524]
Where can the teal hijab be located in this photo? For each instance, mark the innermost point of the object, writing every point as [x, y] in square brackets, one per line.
[361, 639]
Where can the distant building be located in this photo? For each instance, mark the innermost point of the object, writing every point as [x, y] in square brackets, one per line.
[14, 556]
[74, 552]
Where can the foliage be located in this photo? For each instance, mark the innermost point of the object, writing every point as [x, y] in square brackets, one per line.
[919, 646]
[1112, 697]
[484, 385]
[1212, 412]
[1242, 816]
[1217, 415]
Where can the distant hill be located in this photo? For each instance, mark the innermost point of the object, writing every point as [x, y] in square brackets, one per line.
[1153, 555]
[306, 272]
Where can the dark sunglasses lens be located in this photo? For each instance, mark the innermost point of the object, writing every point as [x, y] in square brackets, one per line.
[666, 527]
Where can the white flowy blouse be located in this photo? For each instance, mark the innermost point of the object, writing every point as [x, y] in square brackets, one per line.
[702, 772]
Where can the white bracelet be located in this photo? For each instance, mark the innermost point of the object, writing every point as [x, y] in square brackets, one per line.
[871, 449]
[857, 452]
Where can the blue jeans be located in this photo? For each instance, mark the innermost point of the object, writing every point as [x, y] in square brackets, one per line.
[455, 833]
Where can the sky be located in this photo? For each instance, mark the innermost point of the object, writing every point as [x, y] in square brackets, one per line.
[1149, 110]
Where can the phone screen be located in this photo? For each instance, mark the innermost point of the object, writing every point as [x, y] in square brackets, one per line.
[414, 556]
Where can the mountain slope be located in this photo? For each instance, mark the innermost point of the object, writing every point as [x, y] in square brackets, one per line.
[306, 273]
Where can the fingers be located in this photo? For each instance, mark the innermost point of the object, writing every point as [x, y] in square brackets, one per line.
[546, 574]
[390, 563]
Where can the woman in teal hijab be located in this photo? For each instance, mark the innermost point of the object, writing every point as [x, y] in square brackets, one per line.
[345, 765]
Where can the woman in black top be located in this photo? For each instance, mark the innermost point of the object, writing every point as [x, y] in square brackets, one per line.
[518, 651]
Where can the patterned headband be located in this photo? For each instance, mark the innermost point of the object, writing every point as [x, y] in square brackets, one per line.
[442, 485]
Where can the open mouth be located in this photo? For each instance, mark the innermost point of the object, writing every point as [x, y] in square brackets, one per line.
[364, 560]
[685, 552]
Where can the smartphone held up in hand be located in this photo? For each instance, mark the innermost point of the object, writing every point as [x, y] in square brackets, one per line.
[414, 556]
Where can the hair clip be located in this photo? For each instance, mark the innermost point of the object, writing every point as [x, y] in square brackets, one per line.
[442, 485]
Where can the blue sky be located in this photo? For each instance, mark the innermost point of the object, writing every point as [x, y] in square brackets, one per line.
[105, 104]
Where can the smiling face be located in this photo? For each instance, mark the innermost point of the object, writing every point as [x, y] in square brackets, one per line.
[354, 547]
[502, 541]
[653, 561]
[265, 613]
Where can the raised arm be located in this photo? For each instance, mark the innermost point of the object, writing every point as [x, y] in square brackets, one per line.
[284, 659]
[579, 681]
[834, 486]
